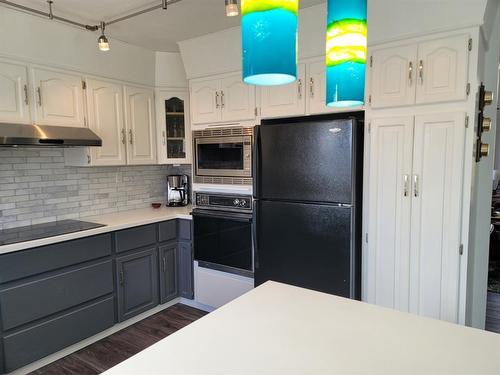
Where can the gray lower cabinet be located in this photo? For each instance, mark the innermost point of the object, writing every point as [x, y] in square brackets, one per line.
[186, 287]
[168, 272]
[137, 278]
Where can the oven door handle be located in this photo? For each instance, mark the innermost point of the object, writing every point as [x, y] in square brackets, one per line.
[223, 215]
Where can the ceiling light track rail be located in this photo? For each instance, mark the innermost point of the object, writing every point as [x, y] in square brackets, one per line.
[52, 16]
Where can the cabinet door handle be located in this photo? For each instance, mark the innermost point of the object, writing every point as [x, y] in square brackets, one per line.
[164, 264]
[405, 185]
[421, 71]
[164, 135]
[122, 277]
[124, 136]
[299, 88]
[222, 101]
[39, 92]
[26, 99]
[410, 73]
[311, 87]
[131, 137]
[416, 191]
[217, 105]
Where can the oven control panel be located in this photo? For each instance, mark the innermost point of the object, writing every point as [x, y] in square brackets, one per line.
[224, 201]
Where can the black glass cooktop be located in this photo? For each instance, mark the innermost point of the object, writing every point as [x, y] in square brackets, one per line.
[35, 232]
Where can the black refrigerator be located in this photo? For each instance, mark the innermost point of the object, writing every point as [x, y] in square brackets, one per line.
[307, 209]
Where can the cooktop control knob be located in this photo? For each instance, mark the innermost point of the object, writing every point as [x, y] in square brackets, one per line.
[243, 203]
[236, 202]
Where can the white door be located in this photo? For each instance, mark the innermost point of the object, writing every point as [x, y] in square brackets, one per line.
[442, 70]
[106, 119]
[205, 101]
[58, 97]
[237, 99]
[387, 279]
[140, 125]
[285, 100]
[393, 76]
[316, 88]
[14, 99]
[437, 179]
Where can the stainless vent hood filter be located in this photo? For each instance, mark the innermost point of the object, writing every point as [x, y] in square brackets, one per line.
[44, 135]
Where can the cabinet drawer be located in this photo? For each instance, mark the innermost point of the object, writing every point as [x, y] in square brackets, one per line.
[29, 345]
[31, 262]
[135, 238]
[37, 299]
[185, 230]
[168, 231]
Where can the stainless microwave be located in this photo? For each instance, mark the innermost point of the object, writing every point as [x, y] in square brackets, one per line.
[223, 155]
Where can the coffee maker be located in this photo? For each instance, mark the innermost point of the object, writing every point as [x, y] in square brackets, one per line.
[177, 190]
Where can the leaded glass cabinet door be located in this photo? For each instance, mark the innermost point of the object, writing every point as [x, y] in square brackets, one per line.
[174, 128]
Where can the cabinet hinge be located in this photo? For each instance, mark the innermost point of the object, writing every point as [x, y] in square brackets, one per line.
[84, 85]
[370, 99]
[366, 237]
[371, 61]
[469, 44]
[461, 249]
[89, 159]
[256, 111]
[369, 127]
[467, 90]
[466, 121]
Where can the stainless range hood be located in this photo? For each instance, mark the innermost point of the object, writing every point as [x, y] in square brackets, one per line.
[44, 135]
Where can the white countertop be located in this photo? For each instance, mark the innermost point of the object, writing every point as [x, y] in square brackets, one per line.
[280, 329]
[112, 222]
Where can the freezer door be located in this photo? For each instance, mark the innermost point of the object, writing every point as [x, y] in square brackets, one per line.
[304, 245]
[306, 161]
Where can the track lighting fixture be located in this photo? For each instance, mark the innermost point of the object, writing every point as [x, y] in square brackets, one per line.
[232, 8]
[103, 41]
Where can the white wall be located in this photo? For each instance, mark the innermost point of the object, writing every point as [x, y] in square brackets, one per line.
[170, 70]
[53, 43]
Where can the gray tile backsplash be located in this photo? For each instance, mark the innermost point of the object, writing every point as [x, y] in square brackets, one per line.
[36, 187]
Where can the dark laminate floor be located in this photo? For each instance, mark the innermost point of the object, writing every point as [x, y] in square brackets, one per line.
[110, 351]
[493, 312]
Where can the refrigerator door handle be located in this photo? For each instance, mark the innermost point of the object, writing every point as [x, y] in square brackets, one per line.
[256, 160]
[254, 239]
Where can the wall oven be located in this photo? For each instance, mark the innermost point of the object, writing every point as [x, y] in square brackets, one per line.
[223, 239]
[223, 155]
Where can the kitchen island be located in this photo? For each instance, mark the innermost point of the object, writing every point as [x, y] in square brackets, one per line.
[280, 329]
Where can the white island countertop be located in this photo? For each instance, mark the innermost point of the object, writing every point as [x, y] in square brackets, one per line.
[280, 329]
[112, 222]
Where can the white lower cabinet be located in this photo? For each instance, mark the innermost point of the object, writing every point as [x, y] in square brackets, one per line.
[414, 225]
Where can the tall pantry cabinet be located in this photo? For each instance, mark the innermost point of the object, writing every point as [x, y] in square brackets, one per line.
[415, 176]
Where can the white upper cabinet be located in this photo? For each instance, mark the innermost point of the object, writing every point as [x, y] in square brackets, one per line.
[316, 83]
[430, 72]
[237, 99]
[387, 280]
[173, 127]
[106, 119]
[14, 97]
[58, 97]
[205, 101]
[442, 70]
[223, 99]
[393, 77]
[140, 125]
[438, 161]
[285, 100]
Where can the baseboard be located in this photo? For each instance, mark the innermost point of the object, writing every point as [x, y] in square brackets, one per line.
[117, 327]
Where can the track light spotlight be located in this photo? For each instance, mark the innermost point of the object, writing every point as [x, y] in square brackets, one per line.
[103, 41]
[232, 8]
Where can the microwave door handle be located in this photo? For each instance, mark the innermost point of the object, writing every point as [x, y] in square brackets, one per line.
[256, 161]
[254, 238]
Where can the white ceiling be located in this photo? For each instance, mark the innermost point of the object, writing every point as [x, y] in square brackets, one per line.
[157, 30]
